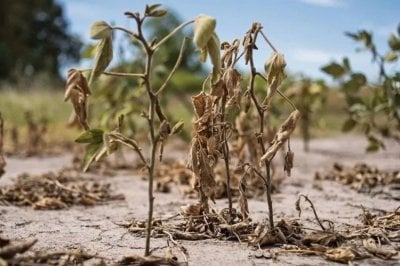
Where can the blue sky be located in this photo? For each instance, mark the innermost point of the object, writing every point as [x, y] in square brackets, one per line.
[309, 32]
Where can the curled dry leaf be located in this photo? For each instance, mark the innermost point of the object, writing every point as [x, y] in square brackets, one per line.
[343, 255]
[77, 91]
[281, 136]
[275, 68]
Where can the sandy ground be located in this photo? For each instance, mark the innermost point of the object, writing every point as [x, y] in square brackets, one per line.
[94, 228]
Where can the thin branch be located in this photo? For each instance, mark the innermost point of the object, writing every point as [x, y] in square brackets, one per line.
[116, 74]
[131, 33]
[267, 40]
[157, 45]
[278, 91]
[312, 207]
[177, 64]
[286, 98]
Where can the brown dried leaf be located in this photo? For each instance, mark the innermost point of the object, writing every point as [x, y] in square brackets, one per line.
[372, 248]
[343, 255]
[10, 250]
[50, 204]
[199, 103]
[281, 136]
[148, 260]
[77, 90]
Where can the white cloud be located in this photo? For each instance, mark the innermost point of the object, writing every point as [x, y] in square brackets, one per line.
[315, 56]
[324, 3]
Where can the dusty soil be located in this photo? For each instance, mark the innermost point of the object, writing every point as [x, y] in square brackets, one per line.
[94, 228]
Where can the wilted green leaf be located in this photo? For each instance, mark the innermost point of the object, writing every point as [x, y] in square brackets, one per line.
[90, 154]
[203, 29]
[203, 55]
[177, 127]
[91, 136]
[348, 125]
[394, 42]
[213, 48]
[100, 30]
[104, 55]
[334, 69]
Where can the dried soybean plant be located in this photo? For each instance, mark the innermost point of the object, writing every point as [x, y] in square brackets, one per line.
[100, 143]
[210, 140]
[2, 160]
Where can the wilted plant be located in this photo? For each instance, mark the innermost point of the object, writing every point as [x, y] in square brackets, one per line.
[374, 108]
[100, 143]
[309, 97]
[210, 140]
[2, 160]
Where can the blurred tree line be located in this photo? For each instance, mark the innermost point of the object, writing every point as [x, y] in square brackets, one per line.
[34, 38]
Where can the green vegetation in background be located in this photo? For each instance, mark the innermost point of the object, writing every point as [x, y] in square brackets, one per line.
[33, 39]
[372, 108]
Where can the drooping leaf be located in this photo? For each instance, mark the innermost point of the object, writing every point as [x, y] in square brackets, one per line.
[90, 154]
[213, 48]
[100, 30]
[203, 29]
[334, 69]
[91, 136]
[104, 55]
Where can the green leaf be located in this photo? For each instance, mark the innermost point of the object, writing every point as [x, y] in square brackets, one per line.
[88, 51]
[374, 144]
[91, 136]
[394, 43]
[104, 55]
[100, 30]
[346, 64]
[203, 29]
[349, 125]
[177, 127]
[150, 8]
[90, 154]
[158, 13]
[391, 56]
[334, 69]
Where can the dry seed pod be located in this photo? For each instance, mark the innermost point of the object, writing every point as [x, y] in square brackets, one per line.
[288, 162]
[281, 136]
[165, 129]
[203, 29]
